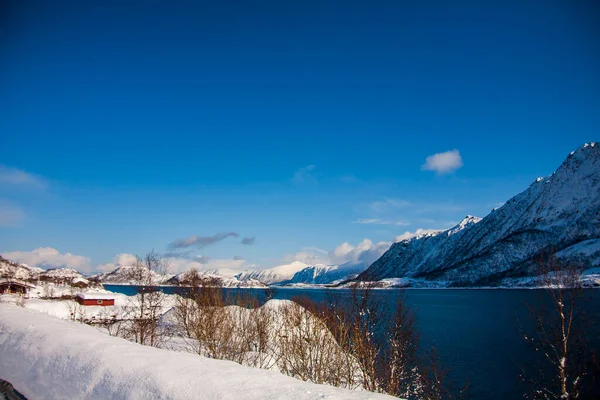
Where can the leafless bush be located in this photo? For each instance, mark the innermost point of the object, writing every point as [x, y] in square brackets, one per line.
[308, 350]
[77, 312]
[146, 308]
[344, 341]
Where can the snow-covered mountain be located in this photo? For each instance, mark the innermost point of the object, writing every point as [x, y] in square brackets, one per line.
[273, 275]
[128, 274]
[59, 274]
[325, 274]
[10, 269]
[210, 278]
[299, 272]
[559, 214]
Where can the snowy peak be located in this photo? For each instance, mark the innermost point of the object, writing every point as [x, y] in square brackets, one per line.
[468, 221]
[419, 234]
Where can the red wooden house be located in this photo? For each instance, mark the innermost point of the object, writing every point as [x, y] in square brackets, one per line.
[95, 299]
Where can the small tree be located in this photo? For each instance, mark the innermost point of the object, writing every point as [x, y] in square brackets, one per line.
[401, 375]
[557, 334]
[147, 306]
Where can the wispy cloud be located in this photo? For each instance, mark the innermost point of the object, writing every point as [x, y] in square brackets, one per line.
[10, 215]
[227, 267]
[188, 256]
[388, 203]
[349, 179]
[443, 163]
[18, 177]
[201, 241]
[248, 240]
[378, 221]
[305, 174]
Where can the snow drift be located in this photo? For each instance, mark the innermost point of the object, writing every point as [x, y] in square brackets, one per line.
[44, 357]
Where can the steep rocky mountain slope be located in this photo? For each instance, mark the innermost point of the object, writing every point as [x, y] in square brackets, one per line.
[558, 214]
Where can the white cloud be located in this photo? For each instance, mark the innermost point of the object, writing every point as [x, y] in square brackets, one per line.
[306, 256]
[228, 267]
[443, 163]
[47, 257]
[365, 252]
[10, 215]
[305, 174]
[17, 177]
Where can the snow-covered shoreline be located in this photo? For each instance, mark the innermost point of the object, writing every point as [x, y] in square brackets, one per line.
[44, 357]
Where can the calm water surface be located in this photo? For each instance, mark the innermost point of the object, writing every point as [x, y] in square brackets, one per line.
[474, 330]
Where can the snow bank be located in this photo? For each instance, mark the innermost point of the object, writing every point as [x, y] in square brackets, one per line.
[44, 357]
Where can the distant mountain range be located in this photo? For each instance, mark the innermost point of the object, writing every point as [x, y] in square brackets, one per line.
[559, 214]
[123, 276]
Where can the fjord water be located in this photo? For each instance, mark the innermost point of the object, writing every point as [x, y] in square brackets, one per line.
[475, 331]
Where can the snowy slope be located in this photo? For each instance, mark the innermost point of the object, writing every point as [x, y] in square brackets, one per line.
[47, 358]
[560, 213]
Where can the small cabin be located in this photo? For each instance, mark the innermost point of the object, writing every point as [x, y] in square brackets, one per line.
[95, 299]
[15, 286]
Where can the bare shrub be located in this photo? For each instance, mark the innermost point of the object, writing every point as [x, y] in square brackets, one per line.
[147, 306]
[345, 341]
[308, 350]
[77, 311]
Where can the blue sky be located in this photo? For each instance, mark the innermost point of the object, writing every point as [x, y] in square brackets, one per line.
[303, 125]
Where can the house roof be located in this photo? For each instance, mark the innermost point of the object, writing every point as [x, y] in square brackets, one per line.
[95, 296]
[13, 281]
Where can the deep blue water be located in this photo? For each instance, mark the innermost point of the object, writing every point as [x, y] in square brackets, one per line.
[476, 331]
